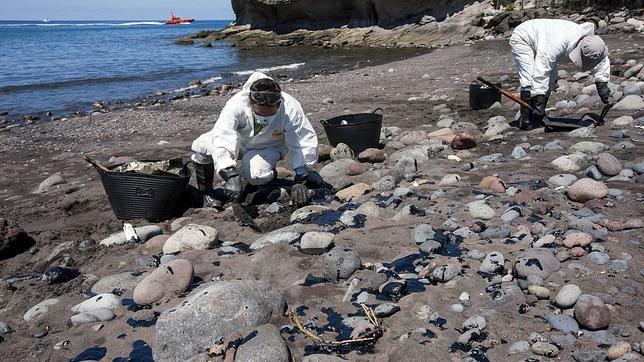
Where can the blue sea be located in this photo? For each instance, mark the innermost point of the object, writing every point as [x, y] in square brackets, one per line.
[65, 66]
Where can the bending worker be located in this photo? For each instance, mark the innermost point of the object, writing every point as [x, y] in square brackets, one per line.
[261, 124]
[539, 45]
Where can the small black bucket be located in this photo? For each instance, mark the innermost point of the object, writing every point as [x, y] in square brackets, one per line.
[482, 96]
[140, 196]
[358, 131]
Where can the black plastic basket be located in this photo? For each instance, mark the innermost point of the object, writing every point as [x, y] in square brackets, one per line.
[135, 195]
[358, 131]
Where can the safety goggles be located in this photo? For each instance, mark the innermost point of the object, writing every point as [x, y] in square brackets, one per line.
[265, 98]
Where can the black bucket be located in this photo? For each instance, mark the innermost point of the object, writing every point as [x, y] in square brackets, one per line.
[135, 195]
[358, 131]
[482, 96]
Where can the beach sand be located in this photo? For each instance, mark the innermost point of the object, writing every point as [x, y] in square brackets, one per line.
[78, 210]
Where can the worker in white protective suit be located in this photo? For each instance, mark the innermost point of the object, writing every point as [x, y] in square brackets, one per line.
[261, 125]
[539, 45]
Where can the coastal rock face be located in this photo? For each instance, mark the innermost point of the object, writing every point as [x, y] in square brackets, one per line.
[215, 311]
[409, 23]
[295, 14]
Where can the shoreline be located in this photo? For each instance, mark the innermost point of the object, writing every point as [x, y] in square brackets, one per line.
[419, 95]
[222, 83]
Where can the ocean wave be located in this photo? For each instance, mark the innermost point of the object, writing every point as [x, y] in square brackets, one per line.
[136, 23]
[270, 69]
[206, 81]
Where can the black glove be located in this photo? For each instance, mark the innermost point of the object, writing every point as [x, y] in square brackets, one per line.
[233, 184]
[311, 179]
[604, 92]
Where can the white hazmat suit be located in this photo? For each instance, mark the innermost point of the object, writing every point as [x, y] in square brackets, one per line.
[234, 135]
[539, 45]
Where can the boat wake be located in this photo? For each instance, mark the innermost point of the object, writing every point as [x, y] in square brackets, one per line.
[134, 23]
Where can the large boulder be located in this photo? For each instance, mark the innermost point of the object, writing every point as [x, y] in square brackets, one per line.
[13, 239]
[214, 311]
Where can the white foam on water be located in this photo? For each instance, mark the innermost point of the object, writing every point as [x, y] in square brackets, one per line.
[270, 69]
[211, 80]
[206, 81]
[81, 24]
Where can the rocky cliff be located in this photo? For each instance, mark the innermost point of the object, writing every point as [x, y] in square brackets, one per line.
[404, 23]
[313, 14]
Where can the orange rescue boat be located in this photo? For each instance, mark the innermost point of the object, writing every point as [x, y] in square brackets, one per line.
[177, 20]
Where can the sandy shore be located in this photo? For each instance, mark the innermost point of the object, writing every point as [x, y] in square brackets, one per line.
[76, 211]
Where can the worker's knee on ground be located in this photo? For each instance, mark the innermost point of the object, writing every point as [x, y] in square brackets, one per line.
[260, 176]
[257, 171]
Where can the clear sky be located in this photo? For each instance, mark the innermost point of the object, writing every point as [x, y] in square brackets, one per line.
[114, 9]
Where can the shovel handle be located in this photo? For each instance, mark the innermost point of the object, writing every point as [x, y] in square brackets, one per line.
[95, 164]
[507, 94]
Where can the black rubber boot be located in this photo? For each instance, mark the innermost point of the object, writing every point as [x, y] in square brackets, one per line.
[526, 116]
[205, 174]
[539, 103]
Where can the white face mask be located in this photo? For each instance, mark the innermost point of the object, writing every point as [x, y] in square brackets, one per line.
[264, 120]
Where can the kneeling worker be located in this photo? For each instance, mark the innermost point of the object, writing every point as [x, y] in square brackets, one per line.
[539, 45]
[260, 124]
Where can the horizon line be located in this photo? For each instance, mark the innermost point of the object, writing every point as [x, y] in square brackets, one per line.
[40, 20]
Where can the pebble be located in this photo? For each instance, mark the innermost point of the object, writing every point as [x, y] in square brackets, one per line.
[49, 182]
[353, 192]
[106, 300]
[191, 236]
[589, 356]
[563, 323]
[342, 152]
[449, 179]
[386, 309]
[598, 258]
[588, 147]
[423, 233]
[144, 233]
[493, 183]
[315, 242]
[608, 164]
[372, 155]
[493, 263]
[536, 261]
[567, 296]
[617, 350]
[519, 347]
[480, 210]
[91, 316]
[622, 121]
[39, 309]
[593, 172]
[475, 321]
[586, 189]
[562, 180]
[567, 163]
[591, 312]
[519, 153]
[285, 235]
[457, 308]
[539, 291]
[445, 273]
[340, 263]
[174, 276]
[544, 349]
[562, 341]
[577, 239]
